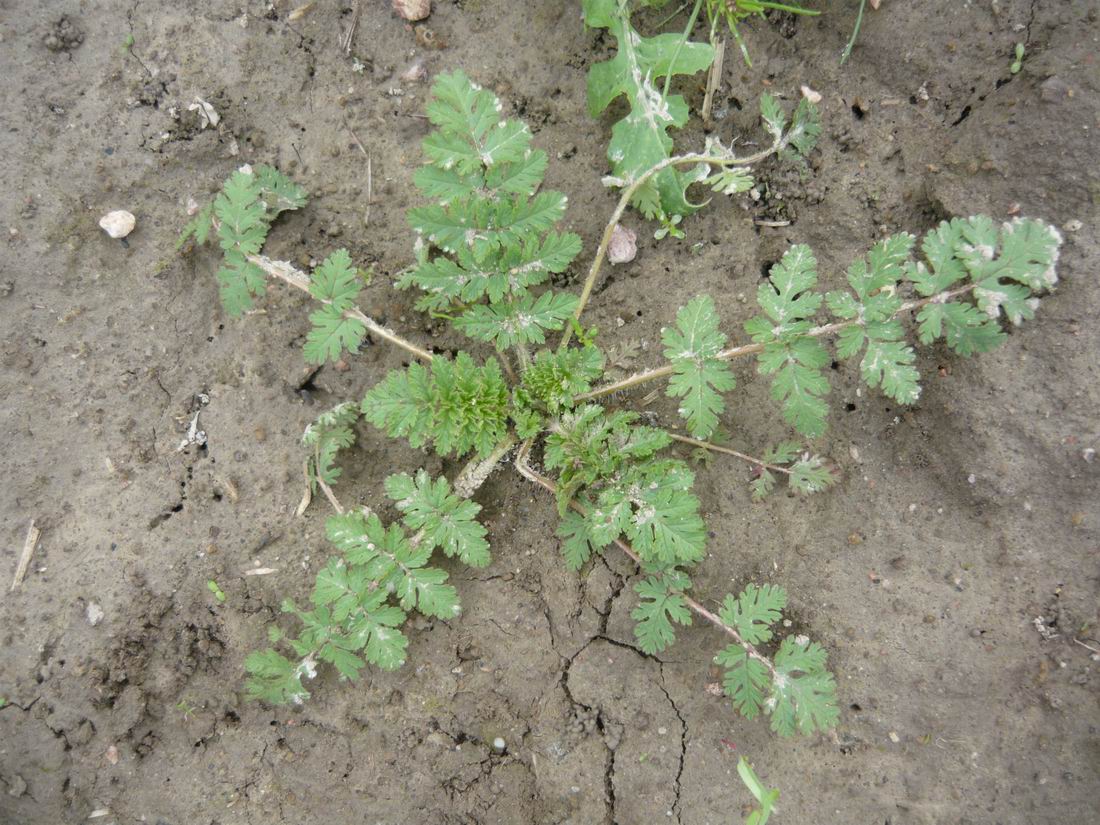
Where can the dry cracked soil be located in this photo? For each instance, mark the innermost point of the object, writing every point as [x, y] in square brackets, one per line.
[952, 573]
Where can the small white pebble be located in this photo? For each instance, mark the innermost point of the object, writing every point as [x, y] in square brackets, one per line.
[499, 745]
[1089, 454]
[662, 731]
[894, 737]
[118, 224]
[94, 614]
[971, 479]
[811, 95]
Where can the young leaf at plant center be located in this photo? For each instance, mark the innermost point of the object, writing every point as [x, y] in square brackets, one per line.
[693, 348]
[550, 382]
[795, 359]
[457, 405]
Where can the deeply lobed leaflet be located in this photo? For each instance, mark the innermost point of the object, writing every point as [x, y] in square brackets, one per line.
[487, 245]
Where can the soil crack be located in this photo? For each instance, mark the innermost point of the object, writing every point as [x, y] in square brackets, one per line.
[683, 740]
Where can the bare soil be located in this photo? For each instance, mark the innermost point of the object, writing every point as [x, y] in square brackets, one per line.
[952, 574]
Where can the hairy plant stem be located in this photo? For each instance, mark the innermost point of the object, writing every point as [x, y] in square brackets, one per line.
[706, 445]
[523, 355]
[528, 472]
[286, 272]
[474, 474]
[624, 202]
[750, 349]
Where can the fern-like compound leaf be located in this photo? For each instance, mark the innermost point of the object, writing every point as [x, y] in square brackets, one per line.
[274, 679]
[522, 321]
[278, 192]
[693, 348]
[198, 227]
[795, 359]
[519, 177]
[754, 611]
[887, 361]
[1008, 266]
[333, 332]
[381, 559]
[331, 432]
[248, 203]
[402, 404]
[746, 680]
[665, 526]
[336, 281]
[660, 604]
[239, 281]
[810, 474]
[448, 521]
[763, 484]
[576, 545]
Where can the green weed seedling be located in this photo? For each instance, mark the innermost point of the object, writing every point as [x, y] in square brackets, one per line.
[641, 148]
[766, 797]
[487, 244]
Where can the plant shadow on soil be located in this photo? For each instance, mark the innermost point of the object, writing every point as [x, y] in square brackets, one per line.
[957, 524]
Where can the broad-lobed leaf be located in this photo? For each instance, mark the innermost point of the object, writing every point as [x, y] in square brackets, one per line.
[803, 697]
[640, 140]
[659, 606]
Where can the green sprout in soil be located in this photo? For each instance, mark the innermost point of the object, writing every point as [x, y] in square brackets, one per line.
[765, 796]
[217, 592]
[1018, 63]
[487, 245]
